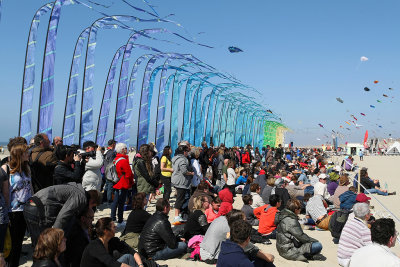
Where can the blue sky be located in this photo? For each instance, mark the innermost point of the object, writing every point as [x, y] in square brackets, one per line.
[300, 55]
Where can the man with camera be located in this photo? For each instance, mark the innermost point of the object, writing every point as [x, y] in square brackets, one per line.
[94, 161]
[64, 172]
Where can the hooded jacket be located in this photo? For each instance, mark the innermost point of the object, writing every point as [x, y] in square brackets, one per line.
[180, 166]
[232, 255]
[347, 200]
[92, 178]
[124, 172]
[288, 228]
[227, 199]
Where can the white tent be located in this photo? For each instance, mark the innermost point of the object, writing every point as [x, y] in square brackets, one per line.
[394, 149]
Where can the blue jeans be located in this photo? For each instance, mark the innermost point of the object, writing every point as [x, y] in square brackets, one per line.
[375, 191]
[109, 189]
[119, 201]
[316, 248]
[128, 259]
[168, 253]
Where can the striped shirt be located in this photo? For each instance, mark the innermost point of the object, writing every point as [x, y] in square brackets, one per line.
[355, 234]
[315, 207]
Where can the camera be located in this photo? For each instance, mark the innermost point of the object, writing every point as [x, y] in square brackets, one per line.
[91, 154]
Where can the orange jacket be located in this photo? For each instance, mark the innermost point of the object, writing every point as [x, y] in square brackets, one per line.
[266, 215]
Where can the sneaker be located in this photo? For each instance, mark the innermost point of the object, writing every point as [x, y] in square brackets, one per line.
[392, 194]
[318, 257]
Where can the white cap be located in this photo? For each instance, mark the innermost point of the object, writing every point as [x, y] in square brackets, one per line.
[322, 176]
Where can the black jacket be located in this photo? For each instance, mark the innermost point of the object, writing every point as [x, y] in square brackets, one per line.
[196, 224]
[156, 235]
[95, 254]
[63, 173]
[77, 240]
[367, 183]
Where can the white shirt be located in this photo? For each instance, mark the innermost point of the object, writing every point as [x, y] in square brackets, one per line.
[231, 176]
[321, 189]
[374, 255]
[197, 176]
[257, 200]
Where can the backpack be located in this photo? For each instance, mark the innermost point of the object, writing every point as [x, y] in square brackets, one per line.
[111, 172]
[337, 222]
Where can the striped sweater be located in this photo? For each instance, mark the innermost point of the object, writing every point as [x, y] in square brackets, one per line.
[355, 234]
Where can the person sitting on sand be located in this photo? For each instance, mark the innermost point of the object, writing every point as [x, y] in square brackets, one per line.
[266, 216]
[136, 220]
[383, 236]
[157, 241]
[197, 221]
[343, 187]
[255, 193]
[291, 242]
[233, 250]
[355, 233]
[212, 211]
[316, 210]
[248, 210]
[218, 232]
[371, 186]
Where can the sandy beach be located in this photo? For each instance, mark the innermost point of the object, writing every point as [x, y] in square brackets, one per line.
[379, 167]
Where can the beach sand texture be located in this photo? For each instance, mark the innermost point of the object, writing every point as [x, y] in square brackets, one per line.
[384, 168]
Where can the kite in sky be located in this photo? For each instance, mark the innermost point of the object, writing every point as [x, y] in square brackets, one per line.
[385, 95]
[320, 125]
[339, 99]
[269, 111]
[376, 81]
[378, 101]
[366, 89]
[372, 106]
[354, 117]
[390, 88]
[234, 49]
[362, 114]
[348, 129]
[364, 58]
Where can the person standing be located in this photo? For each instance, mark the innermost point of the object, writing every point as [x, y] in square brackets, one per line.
[361, 154]
[109, 156]
[166, 171]
[92, 178]
[181, 179]
[43, 160]
[125, 182]
[144, 171]
[20, 191]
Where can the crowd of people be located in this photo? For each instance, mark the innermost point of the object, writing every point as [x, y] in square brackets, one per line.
[53, 191]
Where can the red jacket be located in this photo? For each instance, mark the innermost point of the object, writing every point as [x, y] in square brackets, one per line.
[124, 171]
[266, 218]
[227, 199]
[246, 158]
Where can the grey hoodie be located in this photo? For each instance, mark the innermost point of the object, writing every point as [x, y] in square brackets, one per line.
[180, 166]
